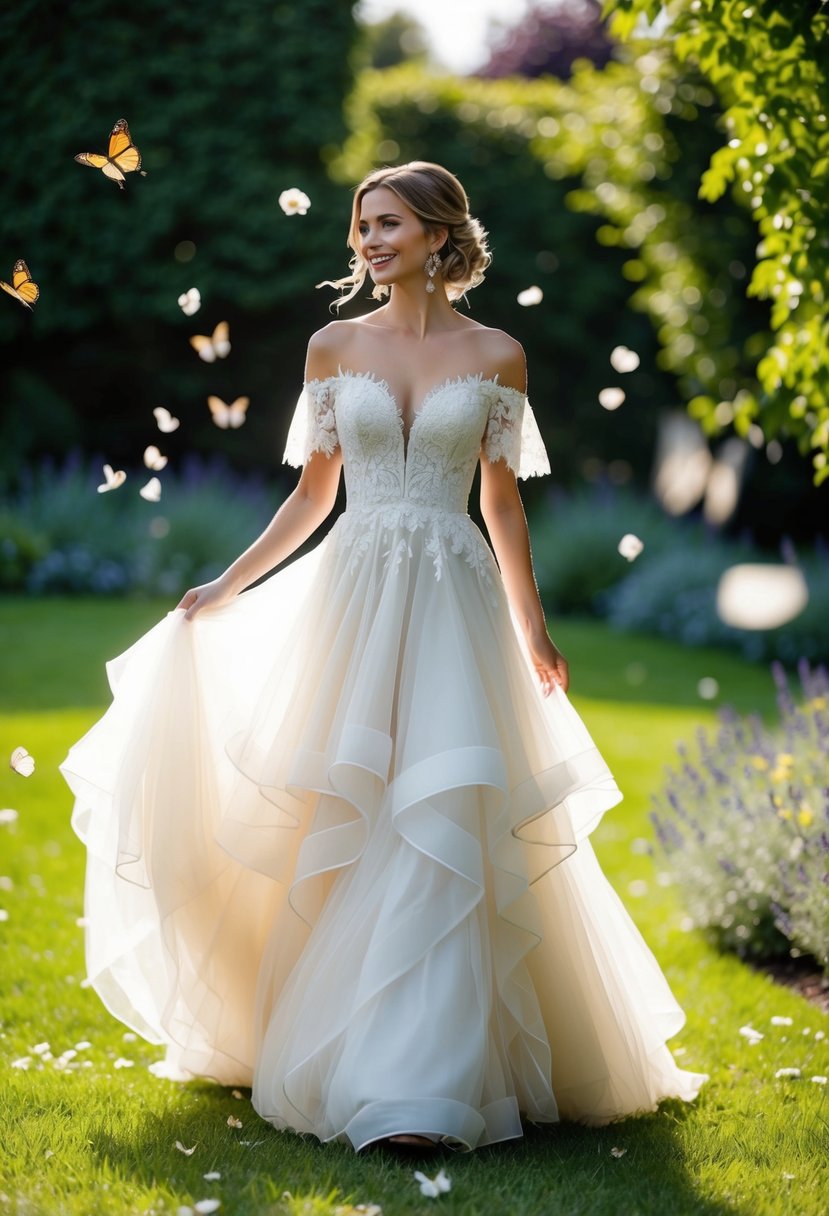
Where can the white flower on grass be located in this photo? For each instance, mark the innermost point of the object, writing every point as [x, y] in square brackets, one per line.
[787, 1072]
[237, 1093]
[7, 815]
[205, 1206]
[748, 1032]
[432, 1187]
[611, 398]
[190, 301]
[630, 546]
[781, 1021]
[123, 1062]
[114, 479]
[818, 1080]
[152, 490]
[41, 1049]
[21, 762]
[530, 296]
[618, 1152]
[188, 1152]
[4, 916]
[83, 1045]
[623, 360]
[184, 1210]
[820, 1034]
[23, 1063]
[153, 458]
[294, 201]
[232, 1121]
[213, 1176]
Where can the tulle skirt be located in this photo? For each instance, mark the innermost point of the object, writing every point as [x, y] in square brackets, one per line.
[337, 850]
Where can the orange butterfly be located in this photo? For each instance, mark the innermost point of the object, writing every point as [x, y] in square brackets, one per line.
[232, 415]
[122, 156]
[22, 287]
[215, 347]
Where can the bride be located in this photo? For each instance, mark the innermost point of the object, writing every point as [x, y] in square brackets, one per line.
[337, 825]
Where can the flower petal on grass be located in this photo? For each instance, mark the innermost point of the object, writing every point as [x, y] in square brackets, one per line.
[7, 815]
[213, 1176]
[818, 1080]
[232, 1121]
[748, 1032]
[781, 1021]
[123, 1062]
[618, 1152]
[205, 1206]
[188, 1152]
[432, 1187]
[787, 1072]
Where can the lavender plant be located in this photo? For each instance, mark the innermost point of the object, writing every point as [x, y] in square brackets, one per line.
[745, 822]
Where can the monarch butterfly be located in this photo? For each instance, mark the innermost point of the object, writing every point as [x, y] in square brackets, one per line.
[215, 347]
[228, 415]
[122, 155]
[22, 287]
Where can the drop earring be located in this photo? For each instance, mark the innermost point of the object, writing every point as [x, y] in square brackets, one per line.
[432, 267]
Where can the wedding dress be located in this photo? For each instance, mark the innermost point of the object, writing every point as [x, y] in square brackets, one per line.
[337, 838]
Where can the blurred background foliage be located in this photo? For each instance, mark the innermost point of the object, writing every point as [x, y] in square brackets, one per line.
[583, 156]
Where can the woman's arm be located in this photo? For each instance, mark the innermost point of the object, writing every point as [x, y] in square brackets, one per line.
[299, 516]
[506, 523]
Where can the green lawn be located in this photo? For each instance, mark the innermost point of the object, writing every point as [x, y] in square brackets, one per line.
[92, 1137]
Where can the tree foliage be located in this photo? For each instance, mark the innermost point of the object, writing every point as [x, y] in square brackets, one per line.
[230, 102]
[769, 63]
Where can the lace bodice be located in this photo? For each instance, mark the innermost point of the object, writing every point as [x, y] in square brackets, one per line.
[433, 467]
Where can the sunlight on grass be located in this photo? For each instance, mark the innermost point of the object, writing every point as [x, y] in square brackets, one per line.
[95, 1134]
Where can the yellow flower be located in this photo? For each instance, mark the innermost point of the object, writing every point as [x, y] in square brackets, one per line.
[785, 759]
[818, 703]
[760, 762]
[804, 815]
[780, 774]
[777, 800]
[785, 813]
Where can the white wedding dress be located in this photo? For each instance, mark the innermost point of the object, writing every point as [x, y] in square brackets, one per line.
[337, 838]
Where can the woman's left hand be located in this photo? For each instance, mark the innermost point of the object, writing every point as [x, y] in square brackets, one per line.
[550, 665]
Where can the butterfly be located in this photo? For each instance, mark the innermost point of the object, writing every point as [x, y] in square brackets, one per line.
[153, 458]
[22, 762]
[166, 421]
[152, 490]
[21, 286]
[114, 479]
[228, 415]
[215, 347]
[190, 301]
[122, 155]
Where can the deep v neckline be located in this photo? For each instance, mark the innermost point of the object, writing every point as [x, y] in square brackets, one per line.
[426, 400]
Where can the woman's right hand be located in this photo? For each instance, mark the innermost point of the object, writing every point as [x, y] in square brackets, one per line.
[209, 595]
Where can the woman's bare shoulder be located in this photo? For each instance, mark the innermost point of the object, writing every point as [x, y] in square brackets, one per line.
[502, 356]
[328, 349]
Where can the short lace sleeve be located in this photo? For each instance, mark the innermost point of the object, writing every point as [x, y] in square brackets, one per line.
[512, 434]
[313, 427]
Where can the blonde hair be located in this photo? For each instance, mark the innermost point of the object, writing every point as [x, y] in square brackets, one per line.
[439, 201]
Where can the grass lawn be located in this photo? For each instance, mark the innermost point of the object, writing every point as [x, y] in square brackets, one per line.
[94, 1135]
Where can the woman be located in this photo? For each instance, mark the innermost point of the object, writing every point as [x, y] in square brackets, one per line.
[325, 818]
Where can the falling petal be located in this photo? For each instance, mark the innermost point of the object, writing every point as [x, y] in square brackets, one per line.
[152, 490]
[611, 398]
[681, 465]
[725, 481]
[153, 458]
[165, 420]
[190, 301]
[623, 360]
[755, 595]
[294, 201]
[530, 296]
[630, 546]
[114, 479]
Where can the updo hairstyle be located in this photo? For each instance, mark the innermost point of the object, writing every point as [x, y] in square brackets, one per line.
[439, 201]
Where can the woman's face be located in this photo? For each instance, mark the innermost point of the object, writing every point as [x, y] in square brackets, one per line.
[392, 239]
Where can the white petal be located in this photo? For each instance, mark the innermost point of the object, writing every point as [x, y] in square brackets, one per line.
[618, 1152]
[787, 1072]
[207, 1205]
[153, 458]
[188, 1152]
[7, 815]
[152, 490]
[165, 420]
[213, 1176]
[611, 398]
[630, 546]
[232, 1121]
[623, 360]
[781, 1021]
[818, 1080]
[530, 296]
[748, 1032]
[708, 688]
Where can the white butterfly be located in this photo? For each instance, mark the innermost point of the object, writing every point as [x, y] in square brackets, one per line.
[114, 479]
[22, 762]
[232, 415]
[190, 301]
[217, 346]
[166, 421]
[153, 458]
[432, 1187]
[152, 490]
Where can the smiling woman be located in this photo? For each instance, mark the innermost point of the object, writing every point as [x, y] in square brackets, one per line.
[338, 825]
